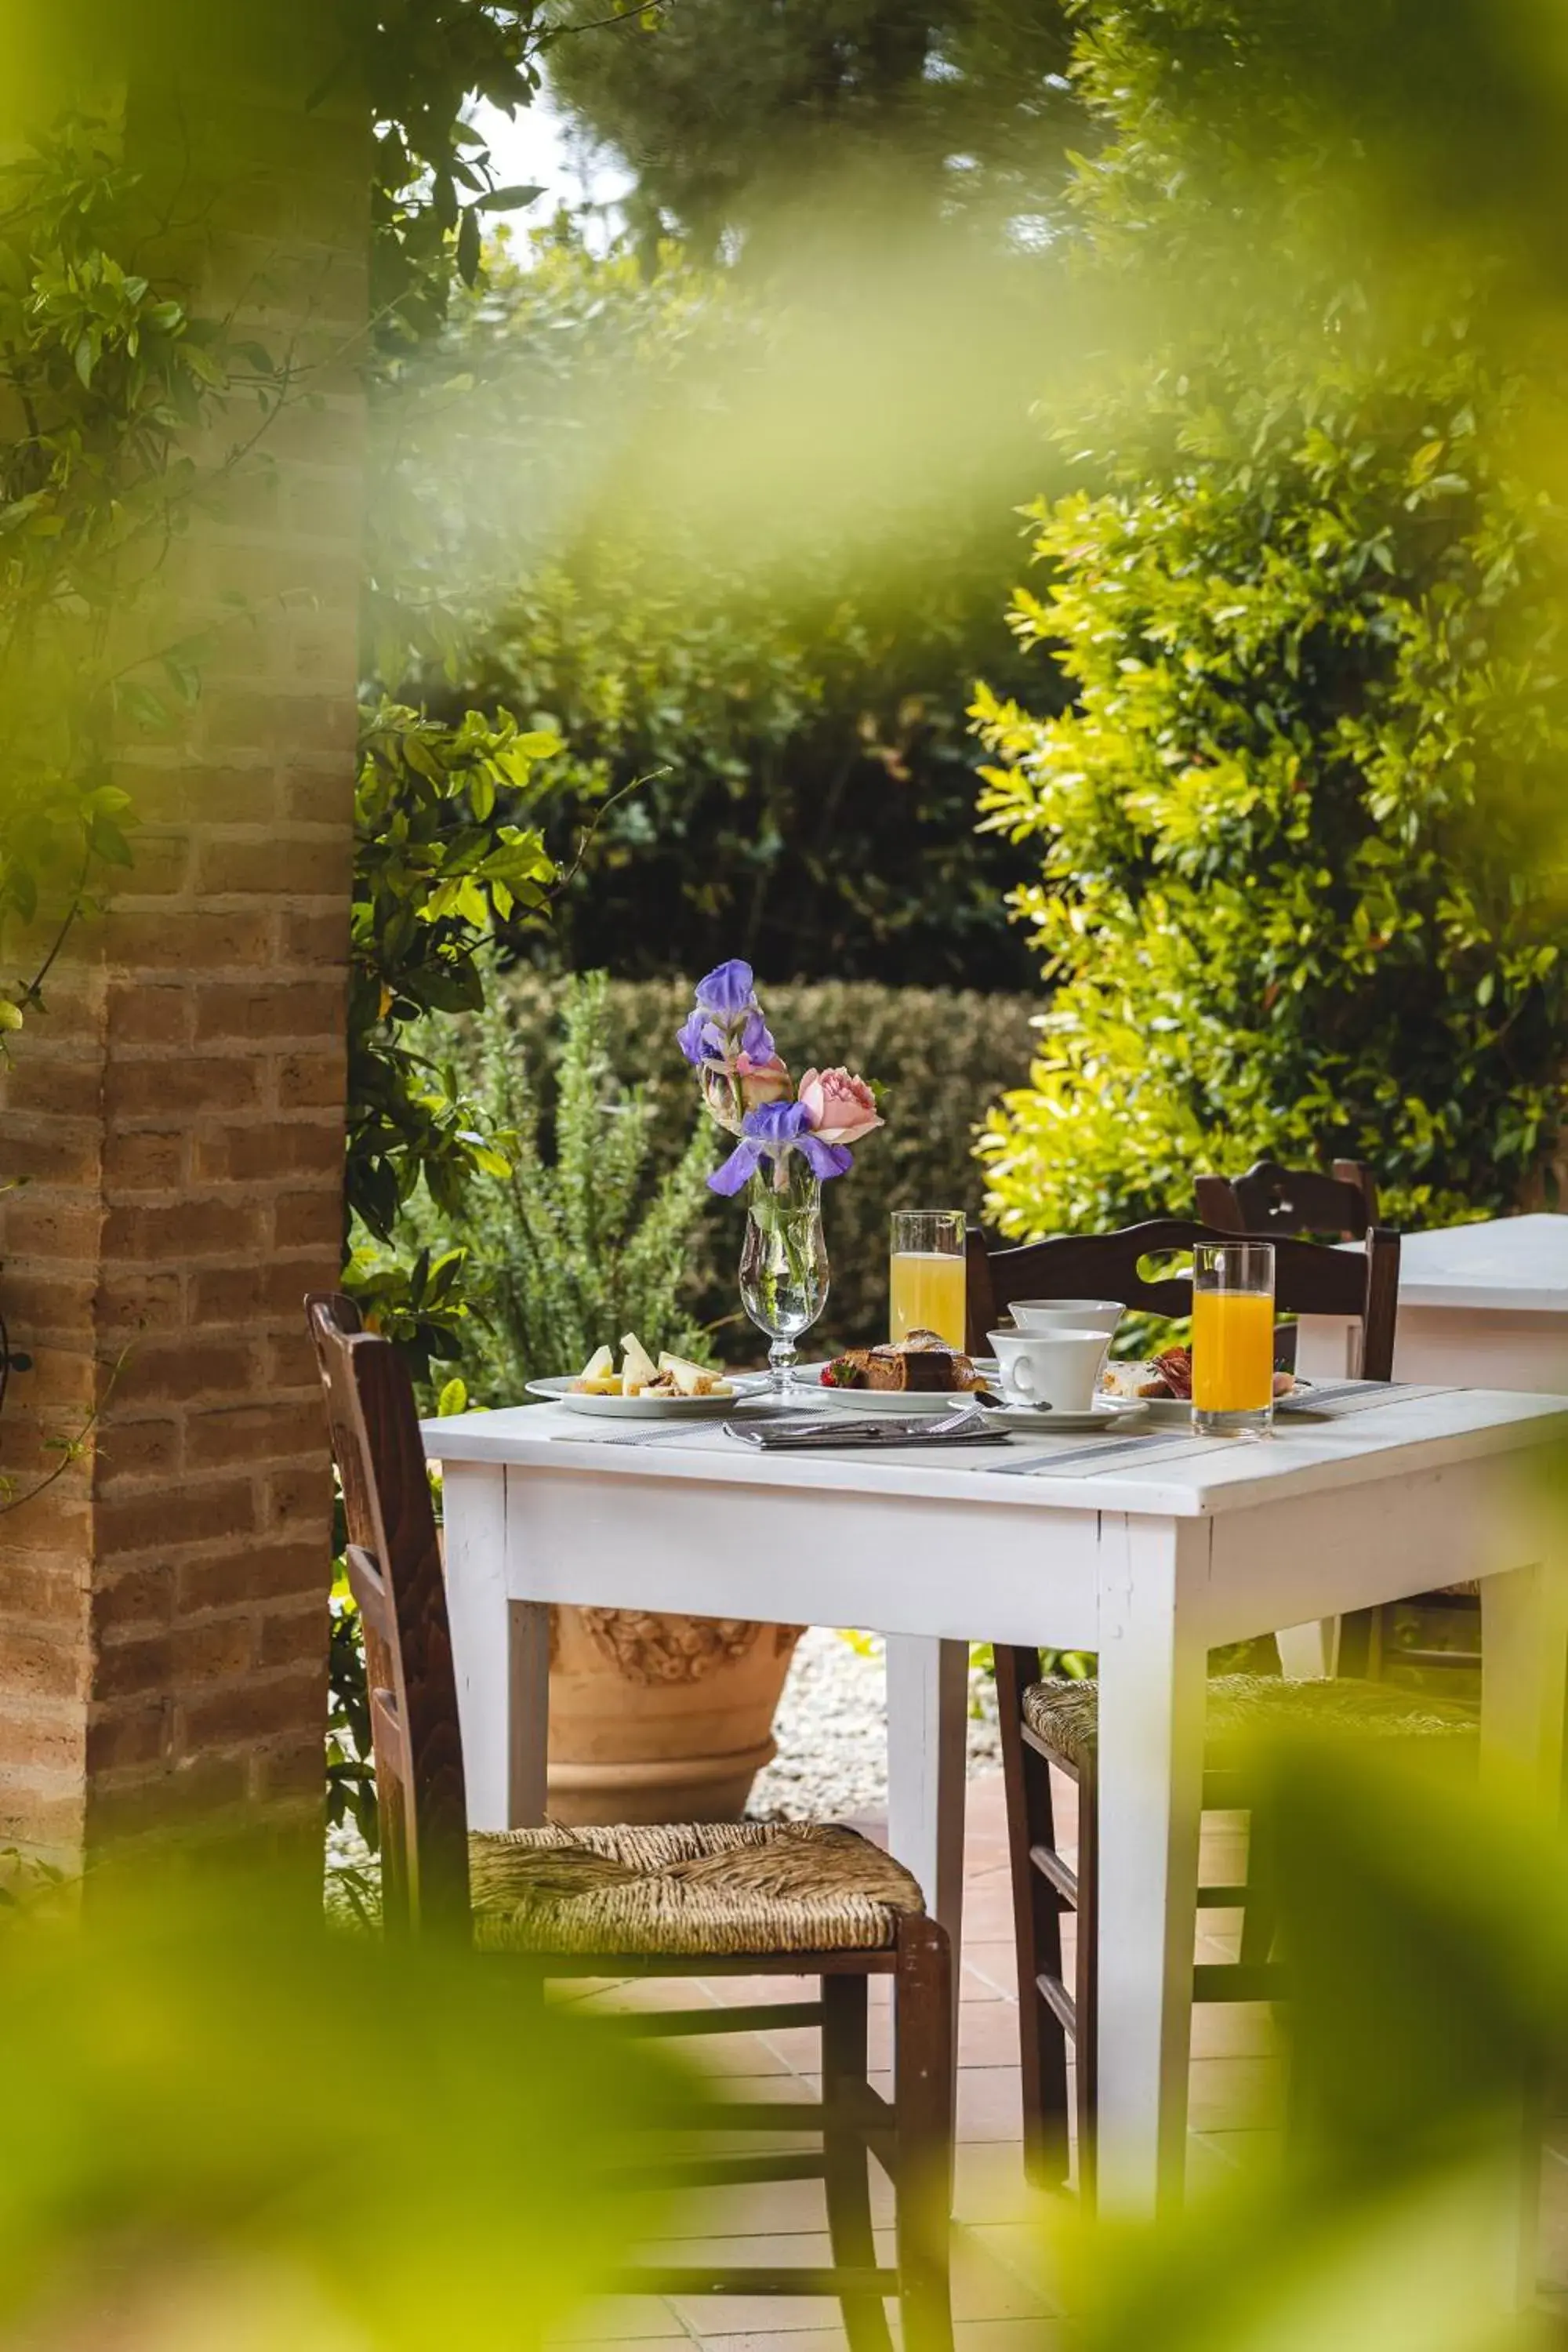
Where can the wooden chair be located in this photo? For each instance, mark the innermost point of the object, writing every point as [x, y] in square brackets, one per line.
[1053, 1721]
[736, 1898]
[1273, 1200]
[1308, 1279]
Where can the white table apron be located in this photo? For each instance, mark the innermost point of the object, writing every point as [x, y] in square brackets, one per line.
[1150, 1565]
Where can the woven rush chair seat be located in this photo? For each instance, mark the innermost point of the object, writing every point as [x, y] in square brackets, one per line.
[1065, 1715]
[698, 1889]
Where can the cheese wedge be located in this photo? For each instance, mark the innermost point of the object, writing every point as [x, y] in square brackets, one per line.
[637, 1365]
[599, 1366]
[610, 1385]
[687, 1377]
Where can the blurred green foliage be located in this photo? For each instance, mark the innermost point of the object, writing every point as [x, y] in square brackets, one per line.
[941, 1056]
[438, 868]
[1302, 887]
[581, 1240]
[225, 2125]
[732, 114]
[764, 761]
[103, 372]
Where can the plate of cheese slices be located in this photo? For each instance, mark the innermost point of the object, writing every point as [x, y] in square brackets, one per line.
[643, 1388]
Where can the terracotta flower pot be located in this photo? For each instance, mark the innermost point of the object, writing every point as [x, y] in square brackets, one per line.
[660, 1718]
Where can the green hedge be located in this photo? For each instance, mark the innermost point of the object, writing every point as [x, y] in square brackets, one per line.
[943, 1056]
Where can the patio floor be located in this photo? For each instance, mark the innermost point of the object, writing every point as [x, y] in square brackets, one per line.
[1002, 2299]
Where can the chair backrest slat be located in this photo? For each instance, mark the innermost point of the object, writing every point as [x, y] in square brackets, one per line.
[1309, 1278]
[394, 1565]
[1272, 1200]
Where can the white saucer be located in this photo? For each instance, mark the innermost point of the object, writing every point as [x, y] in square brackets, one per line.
[1106, 1413]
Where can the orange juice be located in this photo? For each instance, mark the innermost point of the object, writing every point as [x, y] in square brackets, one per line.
[1233, 1350]
[926, 1293]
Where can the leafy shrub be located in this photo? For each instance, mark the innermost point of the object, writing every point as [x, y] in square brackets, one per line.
[764, 759]
[942, 1056]
[583, 1238]
[1299, 891]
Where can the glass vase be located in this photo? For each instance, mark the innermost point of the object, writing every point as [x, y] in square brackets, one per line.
[783, 1260]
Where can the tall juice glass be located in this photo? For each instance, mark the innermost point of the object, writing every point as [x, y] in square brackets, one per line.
[926, 1273]
[1233, 1338]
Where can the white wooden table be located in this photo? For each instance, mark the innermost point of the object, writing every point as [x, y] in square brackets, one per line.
[1486, 1302]
[1147, 1551]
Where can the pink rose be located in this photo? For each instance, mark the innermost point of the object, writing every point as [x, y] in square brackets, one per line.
[841, 1108]
[763, 1082]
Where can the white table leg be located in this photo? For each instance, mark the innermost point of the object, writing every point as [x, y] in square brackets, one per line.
[501, 1650]
[928, 1708]
[1524, 1674]
[1151, 1689]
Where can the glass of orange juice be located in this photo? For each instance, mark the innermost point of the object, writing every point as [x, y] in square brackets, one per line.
[1233, 1338]
[926, 1273]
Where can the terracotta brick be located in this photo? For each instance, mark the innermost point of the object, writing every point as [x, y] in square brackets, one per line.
[144, 1160]
[316, 791]
[309, 1220]
[266, 1570]
[253, 1154]
[196, 1790]
[293, 1767]
[316, 867]
[315, 1081]
[138, 1522]
[149, 1016]
[187, 1368]
[296, 1498]
[137, 1449]
[186, 1229]
[41, 1742]
[269, 1009]
[137, 1598]
[65, 1151]
[189, 940]
[198, 792]
[294, 1637]
[39, 1666]
[37, 1226]
[251, 1709]
[243, 1434]
[161, 1082]
[315, 938]
[177, 1660]
[119, 1737]
[40, 1082]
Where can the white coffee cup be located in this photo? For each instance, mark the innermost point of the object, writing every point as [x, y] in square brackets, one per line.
[1066, 1314]
[1058, 1369]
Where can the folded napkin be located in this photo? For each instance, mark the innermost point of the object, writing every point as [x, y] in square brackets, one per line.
[967, 1424]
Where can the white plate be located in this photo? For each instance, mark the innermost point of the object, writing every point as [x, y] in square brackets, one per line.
[910, 1403]
[1104, 1414]
[559, 1391]
[1177, 1412]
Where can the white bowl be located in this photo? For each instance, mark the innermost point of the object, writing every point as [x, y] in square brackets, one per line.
[1066, 1314]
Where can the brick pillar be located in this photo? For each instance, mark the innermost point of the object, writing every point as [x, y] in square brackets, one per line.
[179, 1108]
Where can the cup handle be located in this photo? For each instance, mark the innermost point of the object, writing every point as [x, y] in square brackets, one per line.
[1020, 1375]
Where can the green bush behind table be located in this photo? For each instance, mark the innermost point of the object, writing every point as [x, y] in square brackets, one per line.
[942, 1055]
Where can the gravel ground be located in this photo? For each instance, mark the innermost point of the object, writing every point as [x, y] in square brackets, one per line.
[832, 1731]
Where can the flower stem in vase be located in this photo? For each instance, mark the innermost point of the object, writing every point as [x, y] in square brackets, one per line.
[783, 1260]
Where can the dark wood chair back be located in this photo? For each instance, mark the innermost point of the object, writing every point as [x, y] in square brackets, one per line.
[1309, 1279]
[395, 1568]
[1273, 1200]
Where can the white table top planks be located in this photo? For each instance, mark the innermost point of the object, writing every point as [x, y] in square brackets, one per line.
[1517, 1265]
[1173, 1475]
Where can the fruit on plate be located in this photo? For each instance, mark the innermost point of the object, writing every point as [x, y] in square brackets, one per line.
[923, 1363]
[640, 1375]
[1167, 1375]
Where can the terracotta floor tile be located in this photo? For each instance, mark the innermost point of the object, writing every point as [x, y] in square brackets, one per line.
[620, 2319]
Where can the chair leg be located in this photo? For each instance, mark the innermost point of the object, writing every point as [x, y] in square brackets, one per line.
[1086, 1976]
[922, 2078]
[1037, 1932]
[1259, 1920]
[847, 2159]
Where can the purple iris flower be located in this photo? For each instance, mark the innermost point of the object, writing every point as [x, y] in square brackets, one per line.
[700, 1040]
[767, 1133]
[726, 992]
[756, 1037]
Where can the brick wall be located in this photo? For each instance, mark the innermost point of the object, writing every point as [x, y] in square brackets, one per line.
[179, 1109]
